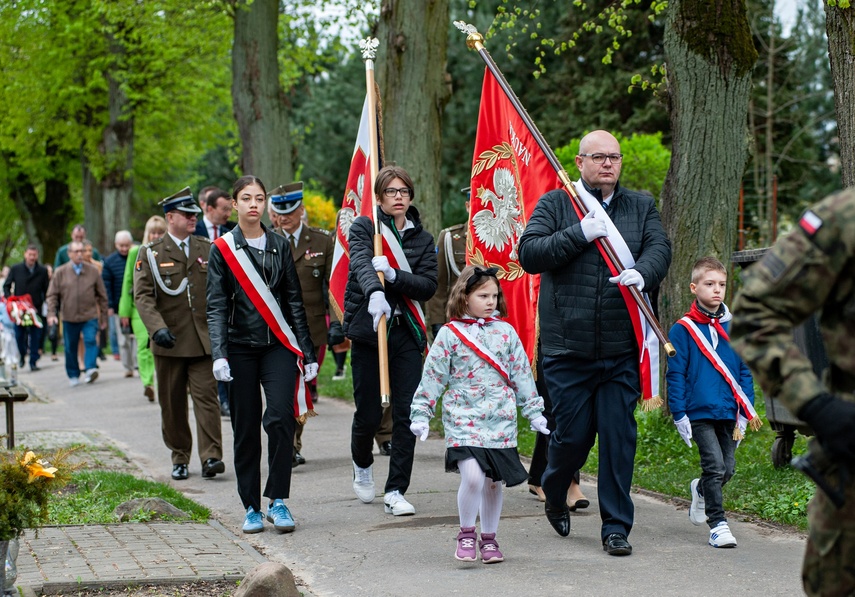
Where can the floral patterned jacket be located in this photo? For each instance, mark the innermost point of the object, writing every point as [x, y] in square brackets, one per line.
[479, 408]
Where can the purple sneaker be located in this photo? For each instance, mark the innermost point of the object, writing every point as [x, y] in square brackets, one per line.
[466, 544]
[490, 553]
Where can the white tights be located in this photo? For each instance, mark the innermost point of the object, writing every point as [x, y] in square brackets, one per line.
[478, 493]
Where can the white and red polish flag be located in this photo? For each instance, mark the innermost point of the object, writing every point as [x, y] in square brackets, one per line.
[358, 201]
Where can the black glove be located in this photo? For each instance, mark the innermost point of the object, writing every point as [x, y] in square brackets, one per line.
[335, 335]
[833, 420]
[163, 338]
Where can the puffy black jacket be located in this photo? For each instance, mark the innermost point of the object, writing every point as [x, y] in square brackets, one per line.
[419, 284]
[582, 314]
[231, 315]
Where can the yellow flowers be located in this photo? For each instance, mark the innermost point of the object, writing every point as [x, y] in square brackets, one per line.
[39, 468]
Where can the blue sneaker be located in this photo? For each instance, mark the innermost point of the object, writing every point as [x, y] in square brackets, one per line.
[279, 514]
[254, 521]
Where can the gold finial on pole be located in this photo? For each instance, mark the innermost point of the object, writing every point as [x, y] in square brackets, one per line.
[474, 40]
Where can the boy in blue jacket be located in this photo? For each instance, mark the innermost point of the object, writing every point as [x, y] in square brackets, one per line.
[711, 395]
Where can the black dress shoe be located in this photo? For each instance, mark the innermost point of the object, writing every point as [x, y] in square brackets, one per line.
[558, 517]
[212, 467]
[386, 448]
[298, 459]
[35, 368]
[617, 545]
[224, 410]
[179, 472]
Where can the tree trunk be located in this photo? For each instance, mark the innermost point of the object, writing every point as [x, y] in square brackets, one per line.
[414, 89]
[117, 147]
[710, 55]
[260, 106]
[93, 200]
[840, 27]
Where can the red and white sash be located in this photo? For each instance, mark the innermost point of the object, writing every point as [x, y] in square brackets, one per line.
[648, 343]
[259, 294]
[720, 366]
[395, 254]
[458, 328]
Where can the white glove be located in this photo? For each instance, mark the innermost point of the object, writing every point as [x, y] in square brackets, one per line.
[377, 307]
[381, 264]
[539, 424]
[684, 427]
[742, 422]
[593, 226]
[310, 371]
[629, 277]
[222, 372]
[420, 429]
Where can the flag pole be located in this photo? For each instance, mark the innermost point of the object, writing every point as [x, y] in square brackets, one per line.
[369, 49]
[475, 41]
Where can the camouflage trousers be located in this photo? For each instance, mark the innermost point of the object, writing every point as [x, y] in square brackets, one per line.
[829, 566]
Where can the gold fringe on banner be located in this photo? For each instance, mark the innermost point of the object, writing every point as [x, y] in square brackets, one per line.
[651, 404]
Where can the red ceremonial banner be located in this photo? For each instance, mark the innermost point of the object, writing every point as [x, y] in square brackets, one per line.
[509, 174]
[358, 201]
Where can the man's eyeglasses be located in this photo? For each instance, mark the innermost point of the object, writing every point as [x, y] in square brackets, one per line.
[600, 158]
[392, 191]
[187, 214]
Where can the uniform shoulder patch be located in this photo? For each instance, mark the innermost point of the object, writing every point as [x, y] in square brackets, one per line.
[773, 264]
[810, 222]
[320, 230]
[204, 238]
[153, 243]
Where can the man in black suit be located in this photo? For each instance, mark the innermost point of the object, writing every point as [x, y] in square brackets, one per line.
[28, 277]
[218, 208]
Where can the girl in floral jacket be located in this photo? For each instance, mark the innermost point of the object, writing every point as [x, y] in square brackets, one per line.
[479, 367]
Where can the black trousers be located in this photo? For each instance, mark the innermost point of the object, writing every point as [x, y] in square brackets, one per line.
[405, 371]
[594, 398]
[274, 368]
[541, 442]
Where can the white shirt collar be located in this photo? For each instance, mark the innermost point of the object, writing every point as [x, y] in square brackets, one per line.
[297, 233]
[178, 241]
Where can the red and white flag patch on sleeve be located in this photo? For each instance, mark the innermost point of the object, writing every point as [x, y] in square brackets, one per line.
[810, 222]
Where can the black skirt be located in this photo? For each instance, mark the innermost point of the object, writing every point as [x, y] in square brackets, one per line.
[499, 464]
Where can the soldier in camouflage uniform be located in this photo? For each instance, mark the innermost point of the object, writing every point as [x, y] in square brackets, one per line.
[811, 269]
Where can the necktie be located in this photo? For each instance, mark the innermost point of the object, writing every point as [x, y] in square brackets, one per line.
[183, 246]
[216, 230]
[605, 206]
[294, 242]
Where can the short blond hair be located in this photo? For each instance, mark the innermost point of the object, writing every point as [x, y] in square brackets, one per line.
[704, 265]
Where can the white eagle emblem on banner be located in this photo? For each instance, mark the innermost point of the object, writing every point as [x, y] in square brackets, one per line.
[501, 225]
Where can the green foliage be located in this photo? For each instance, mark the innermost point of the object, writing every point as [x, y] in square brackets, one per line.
[93, 495]
[645, 161]
[27, 481]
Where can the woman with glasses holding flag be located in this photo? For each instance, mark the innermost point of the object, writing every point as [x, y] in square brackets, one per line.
[260, 337]
[409, 267]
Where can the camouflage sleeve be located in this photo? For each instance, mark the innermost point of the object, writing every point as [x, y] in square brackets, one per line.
[795, 278]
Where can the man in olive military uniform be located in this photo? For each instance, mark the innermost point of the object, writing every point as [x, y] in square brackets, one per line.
[811, 270]
[169, 290]
[312, 249]
[451, 255]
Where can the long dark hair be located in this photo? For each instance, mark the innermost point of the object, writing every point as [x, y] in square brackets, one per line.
[243, 182]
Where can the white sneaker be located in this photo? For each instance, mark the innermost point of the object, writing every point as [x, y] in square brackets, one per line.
[397, 505]
[697, 513]
[363, 483]
[720, 536]
[91, 375]
[74, 381]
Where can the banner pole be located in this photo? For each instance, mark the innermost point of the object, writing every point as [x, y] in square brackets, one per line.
[369, 48]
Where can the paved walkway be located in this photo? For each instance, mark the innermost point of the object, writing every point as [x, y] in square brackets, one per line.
[343, 547]
[66, 558]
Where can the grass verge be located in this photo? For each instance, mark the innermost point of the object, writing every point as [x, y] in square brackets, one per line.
[92, 496]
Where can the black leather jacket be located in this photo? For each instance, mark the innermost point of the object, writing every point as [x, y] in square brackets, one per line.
[231, 315]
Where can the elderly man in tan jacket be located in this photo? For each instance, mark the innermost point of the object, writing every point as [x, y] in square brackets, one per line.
[77, 296]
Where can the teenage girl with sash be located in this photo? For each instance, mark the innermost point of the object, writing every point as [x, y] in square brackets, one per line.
[478, 365]
[409, 267]
[259, 337]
